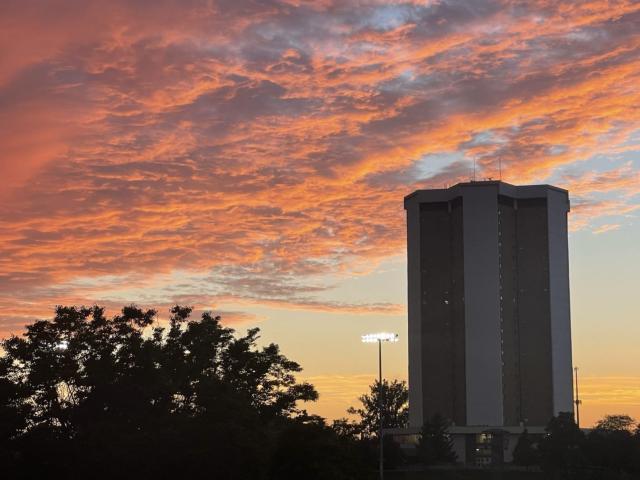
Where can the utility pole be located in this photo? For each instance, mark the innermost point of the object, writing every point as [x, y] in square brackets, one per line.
[577, 401]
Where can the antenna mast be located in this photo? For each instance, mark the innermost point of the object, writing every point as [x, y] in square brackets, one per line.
[577, 401]
[474, 169]
[500, 167]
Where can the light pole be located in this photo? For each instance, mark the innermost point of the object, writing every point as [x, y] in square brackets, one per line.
[379, 338]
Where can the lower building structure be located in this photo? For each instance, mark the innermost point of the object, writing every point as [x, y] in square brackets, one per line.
[474, 446]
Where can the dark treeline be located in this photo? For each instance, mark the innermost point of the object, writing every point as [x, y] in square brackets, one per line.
[610, 450]
[87, 396]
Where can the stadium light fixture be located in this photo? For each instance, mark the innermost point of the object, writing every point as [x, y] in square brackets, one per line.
[379, 338]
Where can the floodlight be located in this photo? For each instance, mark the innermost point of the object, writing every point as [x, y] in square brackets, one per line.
[380, 337]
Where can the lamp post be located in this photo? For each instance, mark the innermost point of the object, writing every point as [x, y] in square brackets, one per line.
[379, 338]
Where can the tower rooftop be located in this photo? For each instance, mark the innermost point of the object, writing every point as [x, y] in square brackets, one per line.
[504, 188]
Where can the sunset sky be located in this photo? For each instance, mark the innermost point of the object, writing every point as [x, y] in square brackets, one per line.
[251, 158]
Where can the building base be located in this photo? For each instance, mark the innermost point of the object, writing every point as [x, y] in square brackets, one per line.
[480, 446]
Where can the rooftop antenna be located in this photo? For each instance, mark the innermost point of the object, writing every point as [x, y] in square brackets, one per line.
[500, 167]
[474, 169]
[577, 401]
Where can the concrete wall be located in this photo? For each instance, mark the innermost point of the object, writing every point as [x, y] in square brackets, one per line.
[414, 314]
[482, 306]
[560, 304]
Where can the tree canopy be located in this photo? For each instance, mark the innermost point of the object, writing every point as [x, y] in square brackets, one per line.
[87, 395]
[83, 394]
[435, 445]
[525, 453]
[609, 450]
[615, 423]
[561, 447]
[393, 397]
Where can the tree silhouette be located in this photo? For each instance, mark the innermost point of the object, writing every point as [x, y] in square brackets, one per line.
[347, 429]
[525, 452]
[561, 448]
[612, 444]
[308, 449]
[435, 445]
[613, 423]
[395, 407]
[86, 395]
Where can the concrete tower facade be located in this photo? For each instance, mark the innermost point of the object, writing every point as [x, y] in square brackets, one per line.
[489, 319]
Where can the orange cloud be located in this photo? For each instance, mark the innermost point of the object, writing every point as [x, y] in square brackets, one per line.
[262, 145]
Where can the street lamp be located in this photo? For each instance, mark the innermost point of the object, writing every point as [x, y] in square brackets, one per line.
[379, 338]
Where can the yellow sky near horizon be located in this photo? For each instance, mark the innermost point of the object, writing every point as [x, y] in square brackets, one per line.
[600, 396]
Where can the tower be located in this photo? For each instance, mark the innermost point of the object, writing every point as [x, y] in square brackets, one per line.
[489, 319]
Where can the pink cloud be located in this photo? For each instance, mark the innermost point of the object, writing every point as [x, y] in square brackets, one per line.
[607, 227]
[274, 141]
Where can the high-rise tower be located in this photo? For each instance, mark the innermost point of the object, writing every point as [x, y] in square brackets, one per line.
[489, 320]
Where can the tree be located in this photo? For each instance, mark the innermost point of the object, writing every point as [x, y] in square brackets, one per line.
[86, 395]
[612, 445]
[395, 414]
[525, 452]
[560, 448]
[615, 423]
[308, 449]
[395, 407]
[12, 413]
[435, 445]
[345, 428]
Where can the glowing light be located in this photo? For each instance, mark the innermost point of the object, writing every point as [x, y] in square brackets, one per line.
[380, 337]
